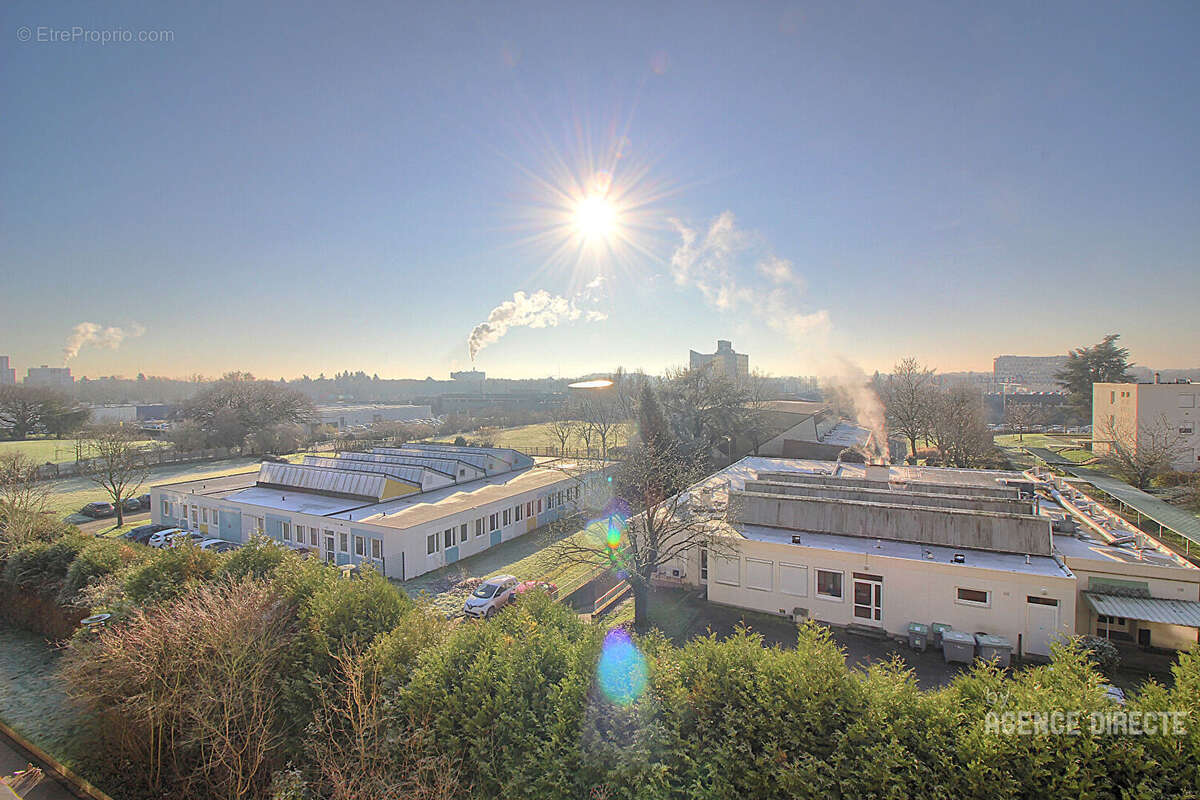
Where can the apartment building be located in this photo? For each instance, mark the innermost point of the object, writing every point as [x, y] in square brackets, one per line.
[1132, 411]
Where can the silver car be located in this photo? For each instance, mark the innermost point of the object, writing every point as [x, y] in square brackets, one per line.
[490, 596]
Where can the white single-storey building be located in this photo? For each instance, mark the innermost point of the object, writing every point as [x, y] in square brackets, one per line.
[406, 510]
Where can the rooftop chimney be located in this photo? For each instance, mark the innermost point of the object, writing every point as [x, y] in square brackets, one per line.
[1156, 378]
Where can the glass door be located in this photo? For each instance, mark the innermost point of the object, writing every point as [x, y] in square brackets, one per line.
[868, 597]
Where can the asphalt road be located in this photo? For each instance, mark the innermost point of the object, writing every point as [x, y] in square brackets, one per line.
[11, 760]
[100, 525]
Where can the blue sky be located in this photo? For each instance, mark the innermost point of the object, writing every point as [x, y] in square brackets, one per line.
[307, 188]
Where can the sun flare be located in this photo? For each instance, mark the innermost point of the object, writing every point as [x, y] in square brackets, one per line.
[595, 217]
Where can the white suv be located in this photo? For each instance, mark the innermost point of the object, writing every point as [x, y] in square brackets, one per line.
[490, 596]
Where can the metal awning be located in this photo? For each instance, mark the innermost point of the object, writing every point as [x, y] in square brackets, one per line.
[1146, 609]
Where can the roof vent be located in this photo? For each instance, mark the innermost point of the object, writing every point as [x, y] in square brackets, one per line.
[959, 558]
[795, 539]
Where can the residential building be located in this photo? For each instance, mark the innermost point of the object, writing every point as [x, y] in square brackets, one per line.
[406, 510]
[723, 362]
[807, 429]
[1132, 411]
[49, 376]
[878, 547]
[1028, 373]
[8, 375]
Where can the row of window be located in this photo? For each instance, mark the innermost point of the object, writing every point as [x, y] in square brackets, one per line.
[450, 537]
[310, 536]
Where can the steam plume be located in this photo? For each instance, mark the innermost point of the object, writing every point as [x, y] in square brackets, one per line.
[538, 310]
[90, 334]
[851, 384]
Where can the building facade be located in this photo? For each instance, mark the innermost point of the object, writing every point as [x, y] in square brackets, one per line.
[350, 416]
[1031, 373]
[1132, 411]
[723, 362]
[48, 376]
[405, 510]
[8, 375]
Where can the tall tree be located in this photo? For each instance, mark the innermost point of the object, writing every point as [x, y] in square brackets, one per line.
[652, 426]
[24, 409]
[117, 463]
[1103, 362]
[23, 498]
[959, 427]
[238, 405]
[908, 396]
[561, 427]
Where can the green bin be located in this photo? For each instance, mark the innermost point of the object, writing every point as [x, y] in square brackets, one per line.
[936, 630]
[918, 636]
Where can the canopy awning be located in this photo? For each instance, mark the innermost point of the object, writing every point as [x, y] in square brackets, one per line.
[1146, 609]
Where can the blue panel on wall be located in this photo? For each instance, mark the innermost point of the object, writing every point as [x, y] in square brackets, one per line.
[274, 529]
[231, 526]
[451, 555]
[496, 537]
[343, 558]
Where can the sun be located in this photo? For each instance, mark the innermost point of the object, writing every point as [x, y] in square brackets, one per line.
[595, 218]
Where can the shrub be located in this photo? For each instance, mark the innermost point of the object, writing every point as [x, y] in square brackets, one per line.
[43, 566]
[97, 559]
[1102, 653]
[257, 558]
[169, 572]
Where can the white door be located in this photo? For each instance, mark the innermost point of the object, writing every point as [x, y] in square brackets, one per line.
[1041, 624]
[868, 597]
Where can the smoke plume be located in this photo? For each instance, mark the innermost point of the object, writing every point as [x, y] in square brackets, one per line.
[538, 310]
[89, 334]
[858, 399]
[734, 271]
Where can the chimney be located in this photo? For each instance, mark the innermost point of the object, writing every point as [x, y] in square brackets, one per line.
[1156, 378]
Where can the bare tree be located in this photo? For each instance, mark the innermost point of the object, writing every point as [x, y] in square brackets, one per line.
[1021, 417]
[562, 427]
[908, 397]
[602, 413]
[116, 463]
[959, 427]
[664, 522]
[23, 499]
[1140, 455]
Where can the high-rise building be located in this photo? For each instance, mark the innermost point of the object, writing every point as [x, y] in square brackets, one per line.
[48, 376]
[1033, 373]
[8, 375]
[723, 362]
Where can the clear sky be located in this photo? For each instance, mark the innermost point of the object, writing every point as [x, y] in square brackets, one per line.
[309, 188]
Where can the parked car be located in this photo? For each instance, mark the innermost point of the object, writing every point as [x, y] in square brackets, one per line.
[98, 510]
[160, 538]
[490, 596]
[183, 537]
[142, 533]
[275, 459]
[218, 545]
[131, 504]
[144, 500]
[534, 586]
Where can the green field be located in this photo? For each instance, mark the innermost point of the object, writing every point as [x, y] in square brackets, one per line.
[538, 435]
[54, 451]
[527, 557]
[68, 495]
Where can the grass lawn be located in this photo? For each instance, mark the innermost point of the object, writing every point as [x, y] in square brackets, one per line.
[54, 451]
[68, 495]
[527, 557]
[32, 699]
[527, 436]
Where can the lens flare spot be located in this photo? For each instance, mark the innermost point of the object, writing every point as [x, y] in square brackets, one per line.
[613, 539]
[621, 673]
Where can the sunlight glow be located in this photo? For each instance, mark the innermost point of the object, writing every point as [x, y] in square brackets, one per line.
[596, 217]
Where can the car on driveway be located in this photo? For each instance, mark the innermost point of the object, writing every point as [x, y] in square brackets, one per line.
[184, 537]
[218, 545]
[142, 533]
[161, 538]
[98, 510]
[490, 596]
[131, 504]
[144, 500]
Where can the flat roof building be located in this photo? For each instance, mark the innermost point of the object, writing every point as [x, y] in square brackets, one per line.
[405, 510]
[48, 376]
[723, 362]
[8, 375]
[350, 416]
[1033, 373]
[881, 546]
[1127, 412]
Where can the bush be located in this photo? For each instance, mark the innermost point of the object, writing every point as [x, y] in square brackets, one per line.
[169, 572]
[257, 558]
[43, 566]
[1102, 653]
[99, 558]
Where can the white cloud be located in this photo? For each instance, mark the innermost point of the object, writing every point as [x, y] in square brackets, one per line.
[538, 310]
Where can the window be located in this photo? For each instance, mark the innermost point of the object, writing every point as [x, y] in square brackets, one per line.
[431, 544]
[517, 512]
[529, 509]
[539, 505]
[1107, 620]
[194, 515]
[829, 584]
[359, 546]
[703, 563]
[376, 548]
[166, 508]
[1187, 428]
[793, 579]
[448, 535]
[507, 516]
[727, 570]
[493, 522]
[312, 536]
[972, 597]
[759, 574]
[479, 527]
[300, 534]
[1187, 401]
[285, 531]
[259, 524]
[462, 532]
[344, 542]
[204, 515]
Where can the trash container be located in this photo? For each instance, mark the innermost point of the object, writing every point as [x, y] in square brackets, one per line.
[936, 630]
[994, 648]
[918, 635]
[958, 646]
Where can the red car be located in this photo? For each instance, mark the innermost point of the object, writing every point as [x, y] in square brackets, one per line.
[531, 586]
